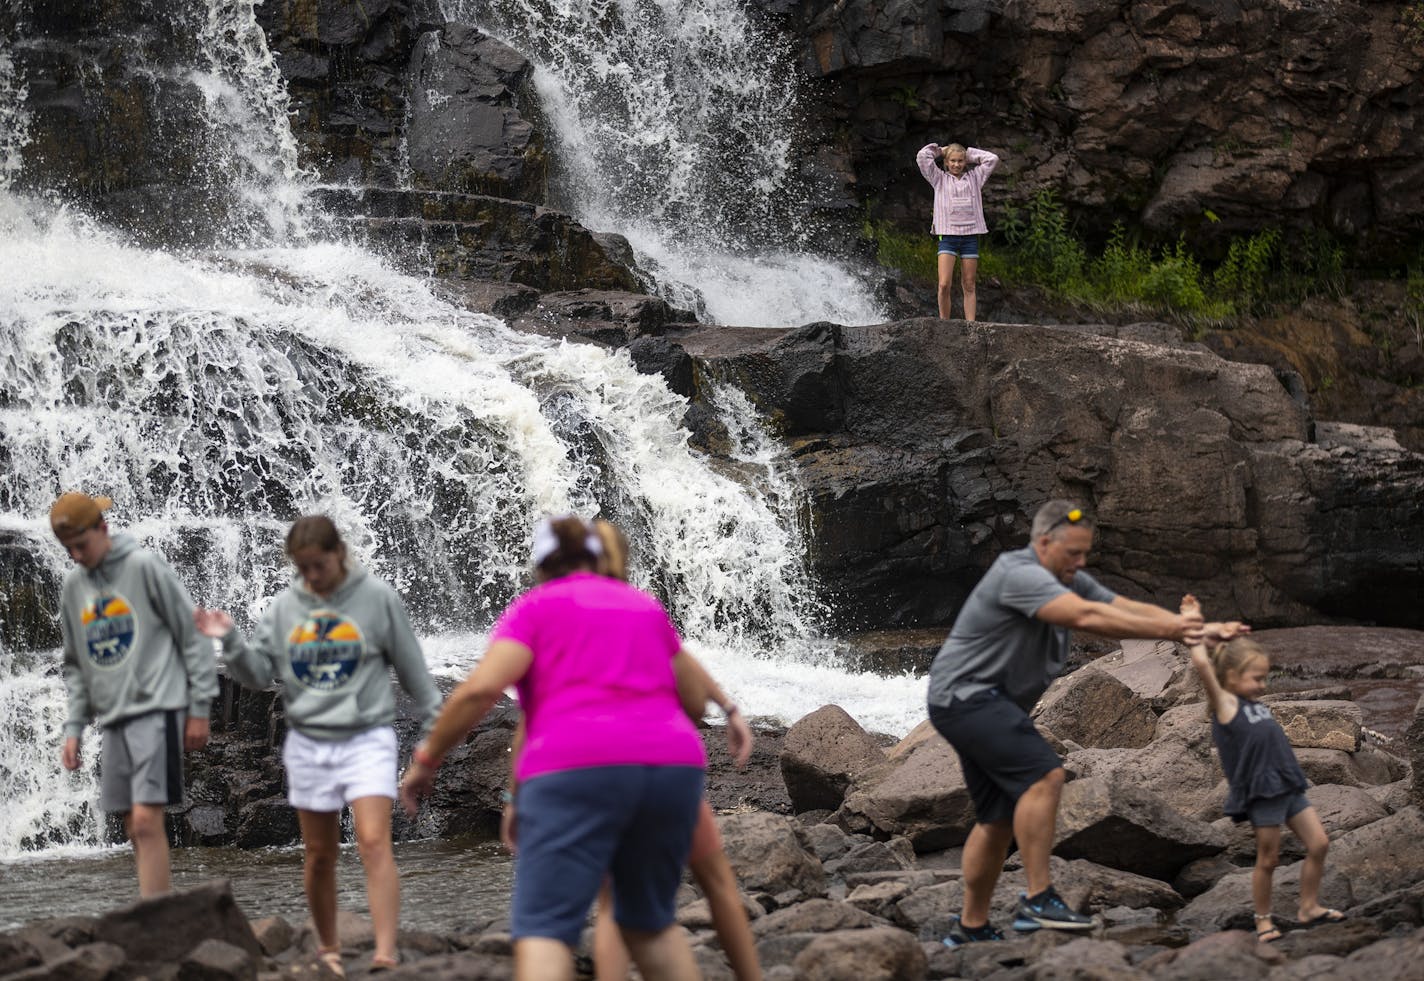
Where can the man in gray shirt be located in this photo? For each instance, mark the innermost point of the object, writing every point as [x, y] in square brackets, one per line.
[1008, 643]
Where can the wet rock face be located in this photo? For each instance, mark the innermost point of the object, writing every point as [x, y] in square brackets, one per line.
[1147, 112]
[346, 67]
[926, 446]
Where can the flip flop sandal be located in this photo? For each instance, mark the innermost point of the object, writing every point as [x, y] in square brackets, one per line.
[382, 963]
[1328, 916]
[330, 958]
[1264, 936]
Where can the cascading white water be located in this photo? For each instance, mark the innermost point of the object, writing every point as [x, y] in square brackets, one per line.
[215, 395]
[675, 123]
[14, 121]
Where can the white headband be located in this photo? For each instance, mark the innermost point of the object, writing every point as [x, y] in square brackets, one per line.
[546, 542]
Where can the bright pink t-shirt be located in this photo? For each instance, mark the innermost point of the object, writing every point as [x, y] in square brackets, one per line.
[600, 690]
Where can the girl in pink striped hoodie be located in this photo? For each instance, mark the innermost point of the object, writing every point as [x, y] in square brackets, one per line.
[958, 214]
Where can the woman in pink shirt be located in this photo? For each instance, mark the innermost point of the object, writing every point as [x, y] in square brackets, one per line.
[958, 214]
[611, 773]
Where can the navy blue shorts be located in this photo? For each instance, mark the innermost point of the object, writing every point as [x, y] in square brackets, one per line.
[577, 826]
[1000, 751]
[1272, 812]
[964, 246]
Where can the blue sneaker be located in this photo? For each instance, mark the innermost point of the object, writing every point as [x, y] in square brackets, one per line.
[1049, 911]
[960, 935]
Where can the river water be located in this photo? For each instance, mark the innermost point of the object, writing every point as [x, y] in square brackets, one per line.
[453, 886]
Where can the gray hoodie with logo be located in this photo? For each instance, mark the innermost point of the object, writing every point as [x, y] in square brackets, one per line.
[130, 646]
[333, 656]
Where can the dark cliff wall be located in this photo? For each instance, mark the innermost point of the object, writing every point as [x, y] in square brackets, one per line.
[1156, 113]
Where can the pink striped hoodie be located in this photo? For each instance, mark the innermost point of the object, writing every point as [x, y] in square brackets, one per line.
[958, 207]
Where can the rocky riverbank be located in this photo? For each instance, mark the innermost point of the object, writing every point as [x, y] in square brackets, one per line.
[847, 846]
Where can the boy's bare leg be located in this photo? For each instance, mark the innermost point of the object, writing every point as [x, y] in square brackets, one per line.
[144, 826]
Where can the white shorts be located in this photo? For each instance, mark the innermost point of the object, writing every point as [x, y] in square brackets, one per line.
[324, 776]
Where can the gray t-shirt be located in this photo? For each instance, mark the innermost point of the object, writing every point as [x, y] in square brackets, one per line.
[997, 643]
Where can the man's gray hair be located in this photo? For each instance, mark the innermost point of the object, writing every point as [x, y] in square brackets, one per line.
[1056, 514]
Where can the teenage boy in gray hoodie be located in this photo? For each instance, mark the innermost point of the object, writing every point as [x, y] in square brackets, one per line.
[134, 663]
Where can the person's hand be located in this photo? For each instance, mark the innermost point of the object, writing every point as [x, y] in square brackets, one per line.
[212, 623]
[507, 824]
[1217, 632]
[69, 754]
[1190, 623]
[739, 739]
[195, 733]
[417, 782]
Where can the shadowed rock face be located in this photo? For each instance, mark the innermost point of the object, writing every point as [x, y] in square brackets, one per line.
[1151, 112]
[926, 446]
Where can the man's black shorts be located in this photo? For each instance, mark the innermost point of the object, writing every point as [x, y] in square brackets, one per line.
[1000, 751]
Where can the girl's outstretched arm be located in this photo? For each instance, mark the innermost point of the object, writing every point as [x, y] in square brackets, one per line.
[1221, 703]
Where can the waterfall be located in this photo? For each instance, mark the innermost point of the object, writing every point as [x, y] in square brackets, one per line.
[675, 123]
[14, 122]
[217, 393]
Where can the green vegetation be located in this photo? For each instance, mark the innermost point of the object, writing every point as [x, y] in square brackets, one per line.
[1414, 299]
[1413, 18]
[1036, 245]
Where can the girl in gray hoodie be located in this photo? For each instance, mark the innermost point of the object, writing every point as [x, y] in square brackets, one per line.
[331, 639]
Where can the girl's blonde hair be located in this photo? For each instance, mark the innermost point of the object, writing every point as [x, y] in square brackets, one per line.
[1234, 655]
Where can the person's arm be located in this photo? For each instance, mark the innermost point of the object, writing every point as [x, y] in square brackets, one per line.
[925, 160]
[1122, 618]
[695, 688]
[403, 651]
[506, 818]
[247, 664]
[77, 690]
[983, 163]
[504, 663]
[175, 608]
[1222, 703]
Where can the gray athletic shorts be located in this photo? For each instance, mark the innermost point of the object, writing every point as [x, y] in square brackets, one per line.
[141, 761]
[1272, 812]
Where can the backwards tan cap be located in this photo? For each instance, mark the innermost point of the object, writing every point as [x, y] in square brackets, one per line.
[76, 511]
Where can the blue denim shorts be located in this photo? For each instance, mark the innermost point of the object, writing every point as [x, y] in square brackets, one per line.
[964, 246]
[1272, 812]
[633, 823]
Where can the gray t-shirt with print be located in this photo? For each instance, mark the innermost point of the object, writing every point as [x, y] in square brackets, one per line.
[997, 643]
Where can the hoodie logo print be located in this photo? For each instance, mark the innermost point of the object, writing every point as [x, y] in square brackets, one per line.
[324, 650]
[108, 629]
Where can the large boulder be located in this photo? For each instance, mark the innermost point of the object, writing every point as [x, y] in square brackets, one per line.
[1180, 771]
[1096, 710]
[920, 794]
[166, 928]
[878, 954]
[1115, 823]
[822, 754]
[1154, 670]
[769, 855]
[1320, 724]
